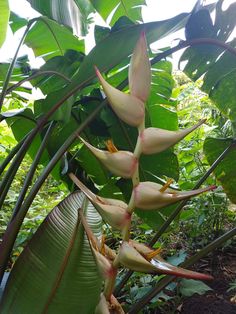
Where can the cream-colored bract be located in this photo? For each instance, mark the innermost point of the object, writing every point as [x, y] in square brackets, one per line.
[147, 195]
[140, 71]
[120, 163]
[155, 140]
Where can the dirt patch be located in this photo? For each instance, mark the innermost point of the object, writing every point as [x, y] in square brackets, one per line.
[207, 304]
[222, 265]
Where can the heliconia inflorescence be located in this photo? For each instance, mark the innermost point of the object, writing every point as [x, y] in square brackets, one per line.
[130, 108]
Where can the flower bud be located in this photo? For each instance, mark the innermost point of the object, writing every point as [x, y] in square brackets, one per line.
[104, 265]
[121, 163]
[128, 108]
[112, 211]
[129, 257]
[140, 70]
[149, 195]
[163, 267]
[154, 140]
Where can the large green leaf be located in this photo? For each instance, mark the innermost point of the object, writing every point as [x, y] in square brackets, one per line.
[70, 13]
[211, 61]
[4, 17]
[57, 273]
[123, 40]
[226, 170]
[120, 44]
[49, 39]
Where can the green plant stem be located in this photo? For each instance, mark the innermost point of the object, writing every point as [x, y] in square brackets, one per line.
[166, 280]
[31, 172]
[35, 75]
[11, 67]
[12, 153]
[177, 211]
[196, 42]
[12, 170]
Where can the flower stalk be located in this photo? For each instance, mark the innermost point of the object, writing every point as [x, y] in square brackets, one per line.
[130, 108]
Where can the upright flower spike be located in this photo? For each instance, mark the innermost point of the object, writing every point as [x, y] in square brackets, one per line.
[149, 195]
[140, 70]
[154, 140]
[128, 108]
[121, 163]
[114, 212]
[163, 267]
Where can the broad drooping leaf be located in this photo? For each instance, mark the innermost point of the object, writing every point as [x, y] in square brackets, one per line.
[226, 170]
[43, 41]
[4, 17]
[57, 273]
[214, 62]
[49, 39]
[72, 13]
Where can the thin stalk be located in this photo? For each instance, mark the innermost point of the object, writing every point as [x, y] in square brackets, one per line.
[11, 67]
[12, 170]
[10, 174]
[167, 279]
[35, 75]
[195, 42]
[12, 153]
[32, 170]
[176, 212]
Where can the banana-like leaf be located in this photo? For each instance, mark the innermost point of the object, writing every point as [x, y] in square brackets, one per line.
[217, 66]
[57, 273]
[49, 39]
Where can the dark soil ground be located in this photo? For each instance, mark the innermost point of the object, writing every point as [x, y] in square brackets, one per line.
[222, 265]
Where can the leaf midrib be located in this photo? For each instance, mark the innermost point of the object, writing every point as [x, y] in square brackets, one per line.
[63, 267]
